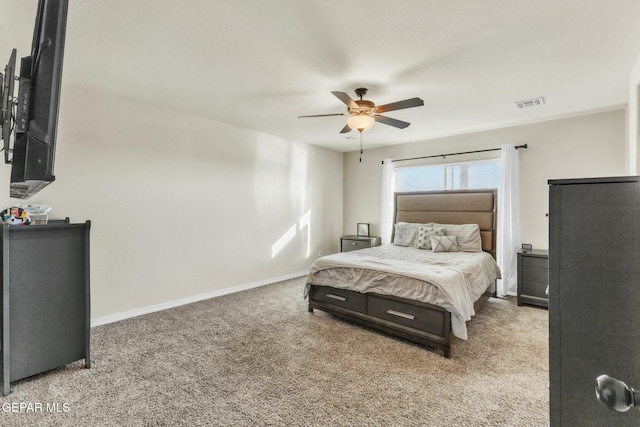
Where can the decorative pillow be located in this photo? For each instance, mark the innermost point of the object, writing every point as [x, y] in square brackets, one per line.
[444, 244]
[425, 233]
[468, 235]
[406, 233]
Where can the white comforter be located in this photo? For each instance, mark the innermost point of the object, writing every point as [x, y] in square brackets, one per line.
[451, 280]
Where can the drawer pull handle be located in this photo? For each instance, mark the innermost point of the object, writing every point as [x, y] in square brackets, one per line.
[339, 298]
[400, 314]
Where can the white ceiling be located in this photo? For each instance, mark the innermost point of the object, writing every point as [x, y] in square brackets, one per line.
[259, 64]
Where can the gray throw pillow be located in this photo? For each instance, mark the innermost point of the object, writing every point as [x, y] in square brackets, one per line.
[425, 233]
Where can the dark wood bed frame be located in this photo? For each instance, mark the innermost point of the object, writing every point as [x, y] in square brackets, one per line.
[414, 320]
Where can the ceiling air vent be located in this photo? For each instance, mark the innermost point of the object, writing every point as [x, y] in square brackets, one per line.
[530, 102]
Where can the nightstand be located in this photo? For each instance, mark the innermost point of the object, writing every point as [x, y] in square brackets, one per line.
[353, 242]
[533, 278]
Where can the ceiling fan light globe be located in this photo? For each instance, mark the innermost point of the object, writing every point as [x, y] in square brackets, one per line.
[360, 122]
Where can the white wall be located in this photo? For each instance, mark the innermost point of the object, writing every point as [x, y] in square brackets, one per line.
[182, 205]
[633, 121]
[583, 146]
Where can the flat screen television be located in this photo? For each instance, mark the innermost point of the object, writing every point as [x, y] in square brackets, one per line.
[29, 122]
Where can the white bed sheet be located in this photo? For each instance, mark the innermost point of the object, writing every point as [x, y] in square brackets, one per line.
[451, 280]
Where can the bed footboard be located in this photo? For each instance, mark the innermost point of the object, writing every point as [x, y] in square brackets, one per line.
[416, 321]
[413, 320]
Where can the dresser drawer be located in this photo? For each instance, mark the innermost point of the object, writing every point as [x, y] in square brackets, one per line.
[406, 314]
[352, 245]
[340, 297]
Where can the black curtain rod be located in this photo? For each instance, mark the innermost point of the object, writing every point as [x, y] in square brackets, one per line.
[455, 154]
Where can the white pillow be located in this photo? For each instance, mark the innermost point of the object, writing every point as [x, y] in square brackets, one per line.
[406, 233]
[445, 244]
[468, 235]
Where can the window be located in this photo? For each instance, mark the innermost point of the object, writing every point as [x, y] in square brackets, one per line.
[453, 176]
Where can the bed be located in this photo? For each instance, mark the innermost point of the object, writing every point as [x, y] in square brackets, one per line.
[424, 295]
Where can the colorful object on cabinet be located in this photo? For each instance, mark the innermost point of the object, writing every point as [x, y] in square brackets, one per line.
[15, 216]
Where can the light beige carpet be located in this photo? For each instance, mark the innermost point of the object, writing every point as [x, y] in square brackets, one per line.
[259, 358]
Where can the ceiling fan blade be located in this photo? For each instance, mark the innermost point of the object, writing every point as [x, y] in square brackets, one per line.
[345, 129]
[407, 103]
[345, 98]
[323, 115]
[391, 122]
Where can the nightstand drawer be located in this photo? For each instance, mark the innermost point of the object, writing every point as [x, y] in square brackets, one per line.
[535, 262]
[352, 245]
[535, 274]
[340, 297]
[535, 289]
[353, 242]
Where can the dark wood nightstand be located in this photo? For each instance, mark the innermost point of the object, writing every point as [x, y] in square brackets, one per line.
[353, 242]
[533, 278]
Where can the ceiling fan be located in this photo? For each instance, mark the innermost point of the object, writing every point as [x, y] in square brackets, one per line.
[362, 114]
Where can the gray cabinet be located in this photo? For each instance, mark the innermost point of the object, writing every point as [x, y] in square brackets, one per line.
[45, 298]
[533, 278]
[594, 300]
[352, 243]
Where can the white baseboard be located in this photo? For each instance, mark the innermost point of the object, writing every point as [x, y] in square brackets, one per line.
[176, 303]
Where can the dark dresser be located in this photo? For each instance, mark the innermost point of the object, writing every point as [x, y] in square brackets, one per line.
[46, 300]
[594, 301]
[533, 278]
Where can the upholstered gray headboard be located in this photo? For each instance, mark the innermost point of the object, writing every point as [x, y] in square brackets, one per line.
[452, 207]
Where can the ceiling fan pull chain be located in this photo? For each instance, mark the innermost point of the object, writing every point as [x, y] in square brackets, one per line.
[361, 147]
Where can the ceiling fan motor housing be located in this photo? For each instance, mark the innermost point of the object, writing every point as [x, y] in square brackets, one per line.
[364, 107]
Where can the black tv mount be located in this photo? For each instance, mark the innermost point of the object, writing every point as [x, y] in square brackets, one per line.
[14, 111]
[7, 106]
